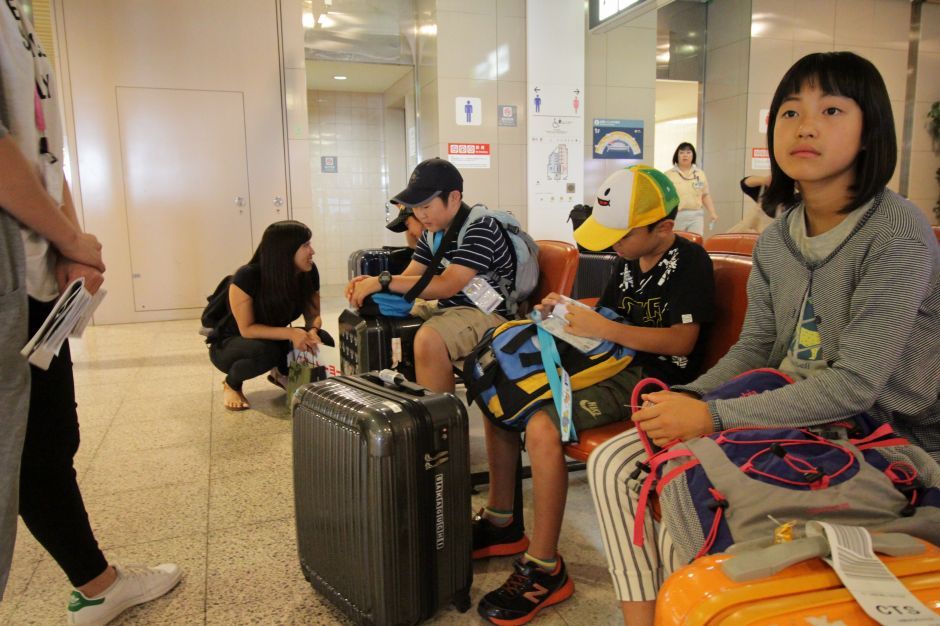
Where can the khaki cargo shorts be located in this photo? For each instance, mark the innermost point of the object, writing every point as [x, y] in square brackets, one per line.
[461, 327]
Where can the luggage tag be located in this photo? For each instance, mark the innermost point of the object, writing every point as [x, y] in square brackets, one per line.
[482, 294]
[873, 586]
[558, 381]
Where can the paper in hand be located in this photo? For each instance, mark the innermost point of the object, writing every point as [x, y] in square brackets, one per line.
[68, 318]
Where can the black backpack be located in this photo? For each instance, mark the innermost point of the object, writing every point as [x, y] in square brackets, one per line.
[216, 311]
[577, 216]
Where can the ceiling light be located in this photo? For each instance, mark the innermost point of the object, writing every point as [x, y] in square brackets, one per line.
[339, 77]
[308, 20]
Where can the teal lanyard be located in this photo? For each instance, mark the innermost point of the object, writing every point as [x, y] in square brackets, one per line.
[436, 241]
[560, 385]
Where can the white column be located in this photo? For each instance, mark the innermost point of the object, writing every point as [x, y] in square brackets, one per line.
[555, 104]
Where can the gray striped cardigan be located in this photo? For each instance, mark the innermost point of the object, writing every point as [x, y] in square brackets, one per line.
[878, 306]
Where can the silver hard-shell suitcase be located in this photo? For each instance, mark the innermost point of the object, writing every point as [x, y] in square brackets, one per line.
[382, 495]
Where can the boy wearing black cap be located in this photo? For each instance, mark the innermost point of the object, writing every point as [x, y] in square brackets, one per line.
[435, 196]
[406, 222]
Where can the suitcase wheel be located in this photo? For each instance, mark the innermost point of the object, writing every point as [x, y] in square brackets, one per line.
[462, 601]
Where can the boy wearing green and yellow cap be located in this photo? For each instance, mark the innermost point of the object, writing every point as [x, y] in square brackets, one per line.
[663, 287]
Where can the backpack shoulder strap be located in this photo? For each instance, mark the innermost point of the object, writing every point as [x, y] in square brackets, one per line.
[475, 214]
[456, 226]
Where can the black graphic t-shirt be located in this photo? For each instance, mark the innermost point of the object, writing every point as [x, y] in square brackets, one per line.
[679, 289]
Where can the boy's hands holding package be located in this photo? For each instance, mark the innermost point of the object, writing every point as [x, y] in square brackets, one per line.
[583, 321]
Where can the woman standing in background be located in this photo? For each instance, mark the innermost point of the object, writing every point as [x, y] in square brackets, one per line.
[692, 186]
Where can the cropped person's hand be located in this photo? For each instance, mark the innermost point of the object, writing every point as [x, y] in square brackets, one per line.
[82, 248]
[66, 271]
[352, 286]
[712, 217]
[673, 416]
[363, 289]
[548, 303]
[586, 322]
[301, 340]
[313, 339]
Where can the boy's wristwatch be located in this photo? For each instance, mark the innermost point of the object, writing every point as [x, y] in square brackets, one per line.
[385, 279]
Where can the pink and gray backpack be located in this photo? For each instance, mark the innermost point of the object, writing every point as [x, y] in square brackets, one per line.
[738, 484]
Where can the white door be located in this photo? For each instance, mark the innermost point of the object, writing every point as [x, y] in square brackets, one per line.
[186, 192]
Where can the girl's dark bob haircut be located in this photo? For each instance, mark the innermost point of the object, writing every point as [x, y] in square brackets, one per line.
[848, 75]
[685, 145]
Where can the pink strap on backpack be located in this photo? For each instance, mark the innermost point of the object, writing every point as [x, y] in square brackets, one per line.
[635, 406]
[643, 501]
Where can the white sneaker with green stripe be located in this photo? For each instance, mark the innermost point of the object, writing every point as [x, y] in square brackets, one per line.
[135, 585]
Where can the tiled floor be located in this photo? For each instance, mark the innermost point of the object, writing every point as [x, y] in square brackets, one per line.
[169, 475]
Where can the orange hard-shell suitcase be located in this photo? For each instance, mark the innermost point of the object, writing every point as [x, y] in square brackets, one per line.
[806, 594]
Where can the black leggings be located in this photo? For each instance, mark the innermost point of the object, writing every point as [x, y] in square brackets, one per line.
[50, 502]
[242, 358]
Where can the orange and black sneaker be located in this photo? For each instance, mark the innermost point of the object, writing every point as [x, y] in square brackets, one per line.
[528, 590]
[492, 540]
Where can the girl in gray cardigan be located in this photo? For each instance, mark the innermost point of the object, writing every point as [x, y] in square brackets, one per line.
[843, 296]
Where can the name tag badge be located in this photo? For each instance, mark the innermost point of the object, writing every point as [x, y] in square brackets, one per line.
[482, 294]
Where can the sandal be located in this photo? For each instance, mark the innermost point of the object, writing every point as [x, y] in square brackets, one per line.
[274, 381]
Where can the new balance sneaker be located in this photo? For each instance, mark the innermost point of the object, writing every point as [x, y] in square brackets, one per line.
[528, 590]
[492, 540]
[135, 585]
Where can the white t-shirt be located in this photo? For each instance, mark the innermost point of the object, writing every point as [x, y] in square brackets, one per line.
[26, 72]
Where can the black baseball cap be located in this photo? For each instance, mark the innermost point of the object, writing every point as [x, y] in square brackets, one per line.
[400, 223]
[429, 179]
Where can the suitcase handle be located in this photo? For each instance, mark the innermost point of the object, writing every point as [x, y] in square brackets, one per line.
[395, 379]
[746, 565]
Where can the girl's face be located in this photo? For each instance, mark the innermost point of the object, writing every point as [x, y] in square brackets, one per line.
[817, 137]
[685, 158]
[303, 258]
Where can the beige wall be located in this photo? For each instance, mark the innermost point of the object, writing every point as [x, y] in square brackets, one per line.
[725, 115]
[347, 204]
[220, 45]
[752, 43]
[295, 101]
[922, 187]
[426, 66]
[620, 83]
[491, 65]
[400, 157]
[479, 52]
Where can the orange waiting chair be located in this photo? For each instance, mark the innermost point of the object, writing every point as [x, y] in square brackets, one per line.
[693, 237]
[732, 243]
[558, 266]
[731, 274]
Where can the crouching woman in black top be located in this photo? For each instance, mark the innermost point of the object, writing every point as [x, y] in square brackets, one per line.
[278, 284]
